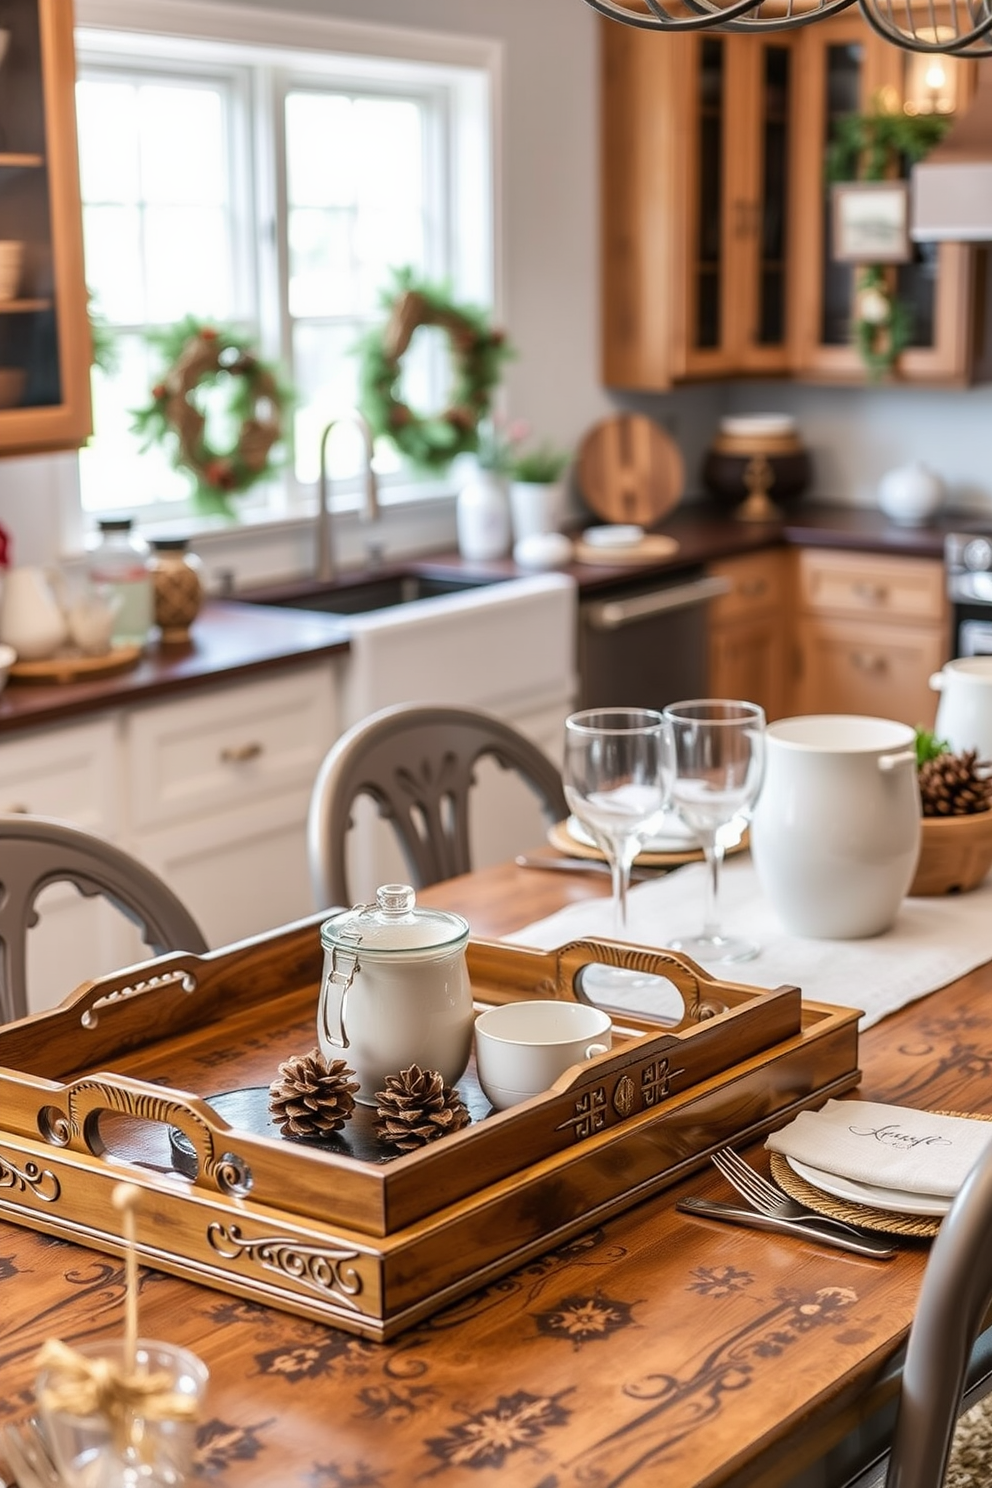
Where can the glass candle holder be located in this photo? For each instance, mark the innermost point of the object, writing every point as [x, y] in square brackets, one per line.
[130, 1448]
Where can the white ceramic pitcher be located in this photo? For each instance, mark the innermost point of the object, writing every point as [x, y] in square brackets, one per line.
[395, 990]
[31, 617]
[836, 831]
[964, 713]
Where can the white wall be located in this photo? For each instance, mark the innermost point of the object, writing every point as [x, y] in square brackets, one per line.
[549, 291]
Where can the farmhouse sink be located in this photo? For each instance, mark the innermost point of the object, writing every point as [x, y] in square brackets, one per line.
[365, 595]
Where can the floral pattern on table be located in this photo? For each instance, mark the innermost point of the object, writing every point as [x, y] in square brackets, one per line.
[585, 1319]
[486, 1438]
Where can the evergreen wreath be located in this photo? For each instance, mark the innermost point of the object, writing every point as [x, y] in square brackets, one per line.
[201, 356]
[478, 352]
[867, 147]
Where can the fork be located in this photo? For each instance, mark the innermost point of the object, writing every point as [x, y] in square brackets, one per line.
[28, 1455]
[765, 1197]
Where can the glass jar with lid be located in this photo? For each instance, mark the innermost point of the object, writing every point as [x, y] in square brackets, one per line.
[395, 990]
[118, 564]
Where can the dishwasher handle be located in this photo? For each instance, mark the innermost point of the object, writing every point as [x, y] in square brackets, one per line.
[612, 614]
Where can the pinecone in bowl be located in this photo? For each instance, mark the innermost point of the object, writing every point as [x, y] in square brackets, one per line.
[956, 801]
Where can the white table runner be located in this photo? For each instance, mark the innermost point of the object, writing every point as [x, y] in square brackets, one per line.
[933, 941]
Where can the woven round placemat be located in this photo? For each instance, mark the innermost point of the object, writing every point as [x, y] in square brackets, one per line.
[920, 1226]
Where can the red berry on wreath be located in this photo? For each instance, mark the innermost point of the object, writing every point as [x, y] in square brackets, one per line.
[207, 333]
[158, 391]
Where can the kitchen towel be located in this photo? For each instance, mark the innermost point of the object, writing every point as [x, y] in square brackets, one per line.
[933, 941]
[886, 1146]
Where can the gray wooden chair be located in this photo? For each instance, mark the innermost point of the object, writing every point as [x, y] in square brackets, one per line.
[417, 763]
[37, 851]
[943, 1371]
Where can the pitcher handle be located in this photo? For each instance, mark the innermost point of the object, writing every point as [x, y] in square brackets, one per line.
[936, 681]
[893, 761]
[339, 973]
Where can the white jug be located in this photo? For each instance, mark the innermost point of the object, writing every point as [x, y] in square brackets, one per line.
[31, 617]
[964, 713]
[395, 990]
[836, 831]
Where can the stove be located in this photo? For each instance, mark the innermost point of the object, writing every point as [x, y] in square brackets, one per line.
[968, 563]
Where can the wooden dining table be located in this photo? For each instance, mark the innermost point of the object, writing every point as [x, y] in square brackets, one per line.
[656, 1348]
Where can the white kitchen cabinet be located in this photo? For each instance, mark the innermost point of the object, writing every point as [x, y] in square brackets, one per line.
[210, 790]
[71, 773]
[218, 791]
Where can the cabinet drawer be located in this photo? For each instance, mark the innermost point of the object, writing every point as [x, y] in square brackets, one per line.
[69, 772]
[909, 589]
[228, 748]
[844, 669]
[758, 583]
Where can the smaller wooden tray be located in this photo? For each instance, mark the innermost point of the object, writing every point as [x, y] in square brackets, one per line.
[652, 545]
[74, 666]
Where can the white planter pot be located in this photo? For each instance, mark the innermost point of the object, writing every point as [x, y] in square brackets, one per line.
[836, 831]
[536, 507]
[482, 517]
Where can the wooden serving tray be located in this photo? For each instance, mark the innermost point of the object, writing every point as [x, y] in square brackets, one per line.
[371, 1241]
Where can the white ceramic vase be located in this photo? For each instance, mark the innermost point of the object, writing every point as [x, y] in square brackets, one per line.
[910, 494]
[836, 831]
[964, 713]
[482, 517]
[536, 507]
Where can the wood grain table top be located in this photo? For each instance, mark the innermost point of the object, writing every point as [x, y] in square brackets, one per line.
[658, 1348]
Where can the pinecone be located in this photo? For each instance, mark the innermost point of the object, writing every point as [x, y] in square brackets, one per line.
[417, 1107]
[313, 1097]
[955, 784]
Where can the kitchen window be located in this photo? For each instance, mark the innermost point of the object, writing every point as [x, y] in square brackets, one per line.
[271, 187]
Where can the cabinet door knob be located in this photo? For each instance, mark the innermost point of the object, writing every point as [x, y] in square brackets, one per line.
[237, 754]
[869, 662]
[17, 809]
[872, 593]
[750, 588]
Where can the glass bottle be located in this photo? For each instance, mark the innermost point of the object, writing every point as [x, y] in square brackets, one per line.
[119, 563]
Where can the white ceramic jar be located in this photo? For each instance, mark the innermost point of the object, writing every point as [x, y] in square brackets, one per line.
[482, 517]
[836, 830]
[395, 990]
[964, 713]
[910, 494]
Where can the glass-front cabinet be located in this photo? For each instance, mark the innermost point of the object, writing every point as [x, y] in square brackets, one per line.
[848, 70]
[45, 348]
[717, 238]
[696, 189]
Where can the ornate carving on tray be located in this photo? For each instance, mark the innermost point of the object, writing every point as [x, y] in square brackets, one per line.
[589, 1115]
[31, 1178]
[656, 1081]
[323, 1268]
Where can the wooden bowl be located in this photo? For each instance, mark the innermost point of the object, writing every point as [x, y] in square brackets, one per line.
[955, 854]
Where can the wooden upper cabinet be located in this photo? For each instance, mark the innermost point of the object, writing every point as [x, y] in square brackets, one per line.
[45, 347]
[845, 68]
[695, 191]
[716, 212]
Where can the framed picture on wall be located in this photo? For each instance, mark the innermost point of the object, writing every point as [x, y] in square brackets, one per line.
[871, 222]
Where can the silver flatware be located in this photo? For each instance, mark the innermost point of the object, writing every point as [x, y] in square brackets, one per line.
[576, 865]
[766, 1196]
[863, 1245]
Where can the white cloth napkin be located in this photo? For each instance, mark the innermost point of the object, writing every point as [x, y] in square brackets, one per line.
[933, 941]
[886, 1146]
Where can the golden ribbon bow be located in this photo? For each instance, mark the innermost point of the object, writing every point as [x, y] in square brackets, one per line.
[82, 1386]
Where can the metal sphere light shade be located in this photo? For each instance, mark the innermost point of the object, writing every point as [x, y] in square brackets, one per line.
[959, 27]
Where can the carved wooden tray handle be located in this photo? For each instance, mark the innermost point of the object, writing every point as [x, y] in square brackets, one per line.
[702, 995]
[90, 1098]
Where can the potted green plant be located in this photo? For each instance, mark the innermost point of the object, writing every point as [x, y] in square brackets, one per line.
[537, 490]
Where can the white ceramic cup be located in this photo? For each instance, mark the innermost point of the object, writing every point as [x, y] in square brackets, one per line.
[836, 832]
[964, 713]
[522, 1047]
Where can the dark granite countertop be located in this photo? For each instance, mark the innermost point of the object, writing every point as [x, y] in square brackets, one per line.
[232, 639]
[228, 641]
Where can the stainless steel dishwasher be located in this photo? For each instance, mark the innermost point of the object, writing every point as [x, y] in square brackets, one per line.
[646, 644]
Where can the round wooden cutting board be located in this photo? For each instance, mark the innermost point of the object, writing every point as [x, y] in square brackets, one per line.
[630, 470]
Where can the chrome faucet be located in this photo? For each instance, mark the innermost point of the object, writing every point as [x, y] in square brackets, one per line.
[325, 565]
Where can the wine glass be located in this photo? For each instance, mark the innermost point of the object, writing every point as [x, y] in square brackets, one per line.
[714, 765]
[615, 786]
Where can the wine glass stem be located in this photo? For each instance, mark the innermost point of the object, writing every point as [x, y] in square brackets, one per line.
[621, 862]
[713, 853]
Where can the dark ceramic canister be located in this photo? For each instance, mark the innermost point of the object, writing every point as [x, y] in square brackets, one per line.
[177, 588]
